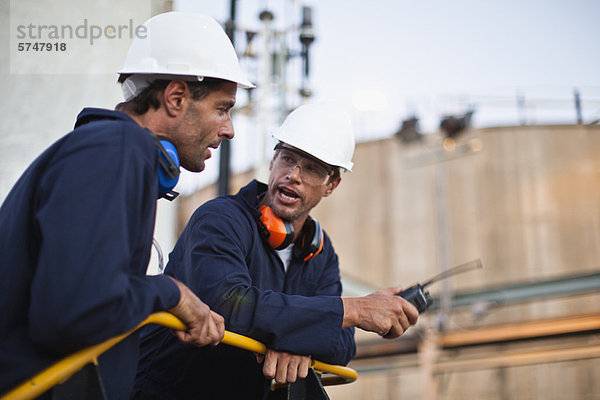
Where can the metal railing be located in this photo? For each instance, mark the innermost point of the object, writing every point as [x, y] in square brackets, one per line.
[65, 368]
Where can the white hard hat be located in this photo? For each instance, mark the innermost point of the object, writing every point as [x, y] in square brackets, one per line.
[322, 130]
[184, 44]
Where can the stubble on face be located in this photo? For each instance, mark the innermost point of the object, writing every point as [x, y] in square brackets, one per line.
[204, 125]
[196, 140]
[281, 188]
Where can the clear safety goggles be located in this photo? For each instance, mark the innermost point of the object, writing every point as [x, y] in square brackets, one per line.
[312, 171]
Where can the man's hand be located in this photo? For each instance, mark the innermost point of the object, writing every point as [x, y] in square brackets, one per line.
[204, 326]
[382, 312]
[283, 366]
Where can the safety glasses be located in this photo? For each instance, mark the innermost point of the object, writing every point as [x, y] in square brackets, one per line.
[312, 171]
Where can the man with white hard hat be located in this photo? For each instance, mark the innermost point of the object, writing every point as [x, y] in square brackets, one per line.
[261, 261]
[77, 227]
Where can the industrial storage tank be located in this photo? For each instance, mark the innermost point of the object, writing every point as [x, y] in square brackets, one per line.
[526, 201]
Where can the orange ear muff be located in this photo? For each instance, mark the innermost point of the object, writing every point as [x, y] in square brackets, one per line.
[279, 233]
[310, 242]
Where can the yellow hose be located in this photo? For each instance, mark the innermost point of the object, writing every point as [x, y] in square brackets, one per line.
[65, 368]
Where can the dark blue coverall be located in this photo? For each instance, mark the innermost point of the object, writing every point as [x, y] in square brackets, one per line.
[75, 240]
[222, 257]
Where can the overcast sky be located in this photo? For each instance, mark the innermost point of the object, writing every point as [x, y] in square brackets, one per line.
[435, 57]
[428, 56]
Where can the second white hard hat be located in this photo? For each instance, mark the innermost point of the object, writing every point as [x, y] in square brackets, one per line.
[322, 130]
[184, 44]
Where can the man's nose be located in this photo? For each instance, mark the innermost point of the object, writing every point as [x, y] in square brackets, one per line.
[226, 130]
[295, 173]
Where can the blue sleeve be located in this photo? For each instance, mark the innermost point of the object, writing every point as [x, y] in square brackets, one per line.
[343, 346]
[211, 256]
[95, 222]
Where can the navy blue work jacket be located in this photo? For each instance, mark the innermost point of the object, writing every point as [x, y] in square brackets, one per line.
[75, 240]
[223, 258]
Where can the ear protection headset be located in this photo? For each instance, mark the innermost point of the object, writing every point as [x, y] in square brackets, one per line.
[168, 168]
[279, 234]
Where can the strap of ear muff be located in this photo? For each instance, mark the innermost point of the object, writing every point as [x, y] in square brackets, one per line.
[168, 170]
[310, 242]
[278, 233]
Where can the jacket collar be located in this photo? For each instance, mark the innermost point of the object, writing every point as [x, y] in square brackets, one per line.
[93, 114]
[250, 194]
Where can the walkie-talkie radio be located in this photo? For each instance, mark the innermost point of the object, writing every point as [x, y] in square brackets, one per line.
[421, 299]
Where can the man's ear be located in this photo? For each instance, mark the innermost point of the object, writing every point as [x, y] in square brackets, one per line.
[331, 185]
[174, 97]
